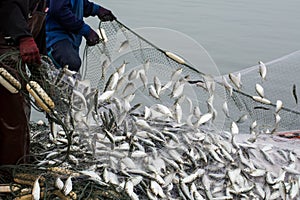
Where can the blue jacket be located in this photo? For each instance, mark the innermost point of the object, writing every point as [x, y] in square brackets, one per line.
[64, 20]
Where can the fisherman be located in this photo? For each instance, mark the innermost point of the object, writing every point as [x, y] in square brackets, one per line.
[15, 35]
[65, 28]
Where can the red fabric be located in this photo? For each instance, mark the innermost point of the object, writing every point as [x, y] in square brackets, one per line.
[29, 51]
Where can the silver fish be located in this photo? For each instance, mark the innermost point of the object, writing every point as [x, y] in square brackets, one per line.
[157, 84]
[225, 109]
[177, 90]
[147, 65]
[105, 96]
[81, 97]
[121, 69]
[234, 128]
[204, 118]
[235, 80]
[261, 100]
[121, 82]
[178, 113]
[279, 106]
[227, 85]
[176, 74]
[282, 190]
[260, 90]
[143, 78]
[157, 189]
[104, 67]
[190, 178]
[214, 154]
[167, 85]
[110, 177]
[36, 190]
[132, 75]
[112, 82]
[128, 89]
[153, 92]
[294, 190]
[164, 110]
[59, 184]
[147, 113]
[262, 70]
[242, 119]
[123, 46]
[68, 186]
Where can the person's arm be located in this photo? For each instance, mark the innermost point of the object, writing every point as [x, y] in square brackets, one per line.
[92, 9]
[14, 24]
[61, 12]
[13, 19]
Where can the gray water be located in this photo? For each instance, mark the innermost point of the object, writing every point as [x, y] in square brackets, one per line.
[235, 33]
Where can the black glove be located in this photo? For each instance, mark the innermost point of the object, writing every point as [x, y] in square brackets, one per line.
[92, 38]
[105, 15]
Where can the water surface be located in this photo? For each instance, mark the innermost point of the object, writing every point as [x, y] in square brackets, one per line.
[236, 33]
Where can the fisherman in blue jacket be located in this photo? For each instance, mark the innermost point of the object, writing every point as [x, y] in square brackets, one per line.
[65, 28]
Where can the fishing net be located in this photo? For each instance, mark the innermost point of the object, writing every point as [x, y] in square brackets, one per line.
[124, 46]
[50, 150]
[144, 123]
[144, 62]
[280, 84]
[55, 85]
[144, 137]
[49, 90]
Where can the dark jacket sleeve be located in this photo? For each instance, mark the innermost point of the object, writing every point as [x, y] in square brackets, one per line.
[90, 9]
[13, 18]
[61, 12]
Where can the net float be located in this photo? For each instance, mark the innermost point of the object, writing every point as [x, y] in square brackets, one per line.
[175, 57]
[41, 97]
[102, 34]
[9, 82]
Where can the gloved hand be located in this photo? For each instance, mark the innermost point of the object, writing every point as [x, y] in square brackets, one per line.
[92, 38]
[105, 15]
[29, 51]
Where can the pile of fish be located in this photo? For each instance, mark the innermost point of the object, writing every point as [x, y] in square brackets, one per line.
[154, 152]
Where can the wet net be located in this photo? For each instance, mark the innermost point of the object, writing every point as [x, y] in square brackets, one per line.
[146, 124]
[47, 89]
[281, 83]
[52, 86]
[203, 92]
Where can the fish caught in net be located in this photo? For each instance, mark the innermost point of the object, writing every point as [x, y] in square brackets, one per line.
[157, 99]
[146, 124]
